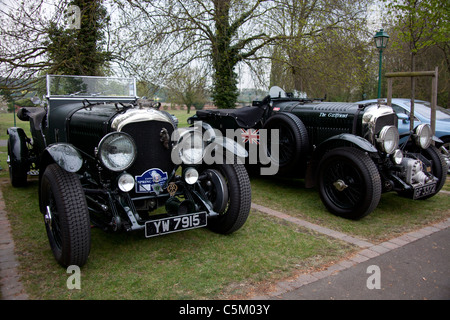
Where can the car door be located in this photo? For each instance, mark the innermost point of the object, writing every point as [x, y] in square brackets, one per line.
[403, 118]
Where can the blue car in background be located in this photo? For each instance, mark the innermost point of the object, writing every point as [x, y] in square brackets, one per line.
[422, 113]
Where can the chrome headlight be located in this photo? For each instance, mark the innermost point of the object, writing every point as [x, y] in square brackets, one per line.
[423, 136]
[125, 182]
[191, 148]
[117, 151]
[397, 156]
[388, 139]
[190, 175]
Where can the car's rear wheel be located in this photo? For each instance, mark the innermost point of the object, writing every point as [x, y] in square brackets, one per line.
[66, 216]
[349, 183]
[234, 211]
[293, 141]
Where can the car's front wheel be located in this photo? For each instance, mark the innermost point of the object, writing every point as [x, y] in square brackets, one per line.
[66, 216]
[439, 167]
[445, 151]
[349, 183]
[234, 207]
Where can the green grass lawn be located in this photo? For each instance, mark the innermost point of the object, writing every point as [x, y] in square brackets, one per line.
[7, 120]
[199, 264]
[196, 264]
[393, 216]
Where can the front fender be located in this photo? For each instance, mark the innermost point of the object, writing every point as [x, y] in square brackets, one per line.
[231, 146]
[215, 138]
[215, 145]
[344, 139]
[63, 154]
[437, 140]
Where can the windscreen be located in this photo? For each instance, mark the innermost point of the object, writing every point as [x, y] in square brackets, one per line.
[84, 86]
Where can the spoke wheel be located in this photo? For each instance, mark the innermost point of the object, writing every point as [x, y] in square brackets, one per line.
[446, 153]
[293, 141]
[439, 167]
[349, 183]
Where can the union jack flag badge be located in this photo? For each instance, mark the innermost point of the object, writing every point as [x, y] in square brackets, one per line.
[251, 136]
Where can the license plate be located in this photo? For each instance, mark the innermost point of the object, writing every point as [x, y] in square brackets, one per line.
[423, 191]
[174, 224]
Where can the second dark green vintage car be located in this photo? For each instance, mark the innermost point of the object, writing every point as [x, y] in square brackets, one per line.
[105, 159]
[349, 151]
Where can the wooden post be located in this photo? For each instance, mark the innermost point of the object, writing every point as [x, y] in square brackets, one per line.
[434, 89]
[389, 92]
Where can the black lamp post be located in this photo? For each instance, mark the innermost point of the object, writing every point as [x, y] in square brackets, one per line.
[381, 40]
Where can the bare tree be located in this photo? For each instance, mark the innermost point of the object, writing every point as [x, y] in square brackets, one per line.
[188, 87]
[23, 32]
[422, 24]
[170, 35]
[36, 37]
[324, 48]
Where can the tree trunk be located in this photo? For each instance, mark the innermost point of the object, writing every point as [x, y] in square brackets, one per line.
[224, 58]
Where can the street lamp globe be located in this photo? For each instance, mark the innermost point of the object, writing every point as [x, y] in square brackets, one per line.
[381, 39]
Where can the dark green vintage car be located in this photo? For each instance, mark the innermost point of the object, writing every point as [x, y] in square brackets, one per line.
[108, 160]
[349, 151]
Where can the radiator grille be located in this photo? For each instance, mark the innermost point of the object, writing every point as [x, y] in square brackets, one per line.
[385, 120]
[151, 153]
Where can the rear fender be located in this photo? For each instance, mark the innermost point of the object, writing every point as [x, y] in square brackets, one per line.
[18, 145]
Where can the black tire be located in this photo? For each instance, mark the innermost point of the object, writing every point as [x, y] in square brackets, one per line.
[237, 208]
[67, 225]
[294, 143]
[438, 168]
[349, 183]
[18, 169]
[446, 154]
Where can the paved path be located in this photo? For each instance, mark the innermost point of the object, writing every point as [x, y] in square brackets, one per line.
[419, 270]
[415, 265]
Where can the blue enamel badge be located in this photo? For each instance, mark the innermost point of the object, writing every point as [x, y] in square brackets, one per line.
[151, 180]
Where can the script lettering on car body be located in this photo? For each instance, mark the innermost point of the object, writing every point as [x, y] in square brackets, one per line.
[333, 115]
